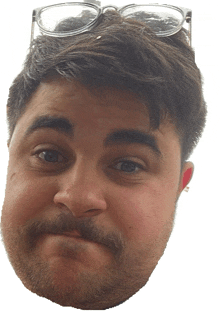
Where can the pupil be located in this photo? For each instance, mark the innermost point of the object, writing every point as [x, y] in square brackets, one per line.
[128, 166]
[51, 156]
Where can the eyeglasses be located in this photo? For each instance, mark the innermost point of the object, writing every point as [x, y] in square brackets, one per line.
[73, 18]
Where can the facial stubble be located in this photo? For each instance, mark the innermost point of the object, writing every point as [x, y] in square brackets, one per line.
[100, 289]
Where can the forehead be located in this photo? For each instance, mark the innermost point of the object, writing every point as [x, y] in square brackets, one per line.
[101, 111]
[73, 99]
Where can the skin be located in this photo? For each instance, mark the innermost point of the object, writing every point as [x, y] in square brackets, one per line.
[119, 215]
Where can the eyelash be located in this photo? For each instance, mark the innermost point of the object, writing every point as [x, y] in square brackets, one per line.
[37, 154]
[129, 163]
[132, 163]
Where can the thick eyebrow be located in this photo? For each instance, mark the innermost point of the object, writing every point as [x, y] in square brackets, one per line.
[118, 136]
[57, 123]
[132, 136]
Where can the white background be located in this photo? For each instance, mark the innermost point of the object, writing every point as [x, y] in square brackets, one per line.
[183, 295]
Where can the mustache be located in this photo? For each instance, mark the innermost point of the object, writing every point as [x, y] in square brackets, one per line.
[64, 223]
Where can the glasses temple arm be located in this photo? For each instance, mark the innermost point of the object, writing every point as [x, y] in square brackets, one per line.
[189, 21]
[33, 24]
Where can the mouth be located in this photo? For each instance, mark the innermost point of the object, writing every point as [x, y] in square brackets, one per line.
[74, 234]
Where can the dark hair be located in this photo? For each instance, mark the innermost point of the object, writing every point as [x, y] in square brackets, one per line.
[128, 56]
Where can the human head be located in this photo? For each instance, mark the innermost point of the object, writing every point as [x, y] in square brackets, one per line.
[161, 76]
[176, 94]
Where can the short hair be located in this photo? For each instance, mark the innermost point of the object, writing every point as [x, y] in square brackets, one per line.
[123, 54]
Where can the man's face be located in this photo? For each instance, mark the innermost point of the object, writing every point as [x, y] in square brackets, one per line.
[90, 198]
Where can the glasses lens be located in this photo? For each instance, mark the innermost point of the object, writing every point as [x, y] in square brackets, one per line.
[163, 20]
[67, 18]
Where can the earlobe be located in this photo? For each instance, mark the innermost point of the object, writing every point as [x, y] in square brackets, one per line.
[187, 174]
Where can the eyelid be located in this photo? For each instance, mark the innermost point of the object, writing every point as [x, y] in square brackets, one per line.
[137, 167]
[142, 166]
[132, 159]
[50, 148]
[55, 152]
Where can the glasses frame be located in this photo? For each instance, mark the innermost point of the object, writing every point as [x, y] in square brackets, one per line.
[187, 17]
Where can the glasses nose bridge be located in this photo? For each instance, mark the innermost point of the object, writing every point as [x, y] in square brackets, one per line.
[104, 8]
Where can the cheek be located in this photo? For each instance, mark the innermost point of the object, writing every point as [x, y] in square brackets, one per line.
[25, 198]
[144, 214]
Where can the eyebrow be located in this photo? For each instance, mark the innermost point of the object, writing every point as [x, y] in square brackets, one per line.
[132, 136]
[58, 123]
[118, 136]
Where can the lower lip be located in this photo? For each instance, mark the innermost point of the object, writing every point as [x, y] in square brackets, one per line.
[62, 246]
[75, 239]
[56, 238]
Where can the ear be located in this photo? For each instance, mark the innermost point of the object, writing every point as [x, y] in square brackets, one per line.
[186, 175]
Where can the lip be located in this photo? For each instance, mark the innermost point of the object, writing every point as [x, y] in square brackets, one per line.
[72, 234]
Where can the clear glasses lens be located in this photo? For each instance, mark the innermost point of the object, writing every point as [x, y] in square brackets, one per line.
[164, 21]
[66, 18]
[74, 18]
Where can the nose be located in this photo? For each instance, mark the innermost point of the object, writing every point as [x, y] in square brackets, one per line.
[81, 191]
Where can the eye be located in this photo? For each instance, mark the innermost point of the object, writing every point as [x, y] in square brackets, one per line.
[128, 166]
[50, 156]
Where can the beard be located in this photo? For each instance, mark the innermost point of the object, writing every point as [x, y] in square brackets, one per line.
[101, 288]
[98, 286]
